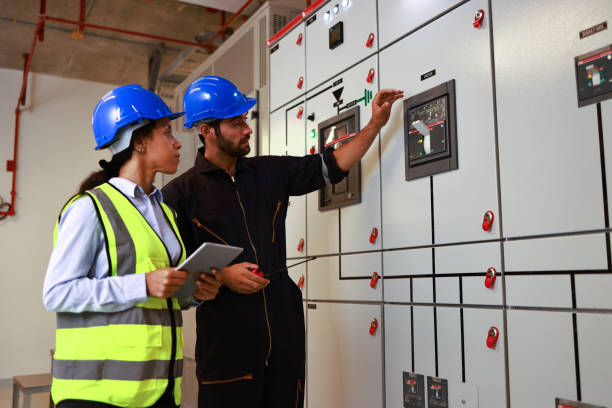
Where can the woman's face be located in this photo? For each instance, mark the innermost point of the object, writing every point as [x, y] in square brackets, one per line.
[162, 149]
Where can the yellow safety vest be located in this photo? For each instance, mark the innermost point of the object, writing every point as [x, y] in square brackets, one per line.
[122, 358]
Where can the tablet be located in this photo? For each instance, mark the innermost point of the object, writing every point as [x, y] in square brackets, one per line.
[207, 256]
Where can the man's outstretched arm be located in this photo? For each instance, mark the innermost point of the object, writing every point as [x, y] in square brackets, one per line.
[350, 153]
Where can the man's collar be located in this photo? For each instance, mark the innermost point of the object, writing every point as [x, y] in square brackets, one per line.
[205, 166]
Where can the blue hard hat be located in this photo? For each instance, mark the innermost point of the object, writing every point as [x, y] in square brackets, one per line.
[124, 106]
[213, 97]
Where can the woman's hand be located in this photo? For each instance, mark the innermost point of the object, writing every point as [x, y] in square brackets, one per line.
[162, 283]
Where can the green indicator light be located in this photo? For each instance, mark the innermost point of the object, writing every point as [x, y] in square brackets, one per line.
[590, 84]
[313, 134]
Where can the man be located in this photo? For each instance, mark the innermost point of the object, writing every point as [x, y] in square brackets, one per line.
[250, 349]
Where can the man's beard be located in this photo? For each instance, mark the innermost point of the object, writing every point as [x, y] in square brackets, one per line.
[226, 147]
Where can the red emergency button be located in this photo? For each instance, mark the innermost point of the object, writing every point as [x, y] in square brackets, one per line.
[490, 277]
[370, 75]
[300, 112]
[373, 235]
[374, 280]
[312, 150]
[478, 18]
[300, 82]
[300, 245]
[487, 221]
[299, 39]
[370, 40]
[301, 282]
[492, 337]
[373, 326]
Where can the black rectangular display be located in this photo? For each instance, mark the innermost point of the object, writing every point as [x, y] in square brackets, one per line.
[432, 146]
[333, 133]
[594, 76]
[336, 35]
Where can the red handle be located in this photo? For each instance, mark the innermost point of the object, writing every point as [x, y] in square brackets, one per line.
[299, 39]
[300, 245]
[312, 150]
[370, 75]
[373, 326]
[478, 18]
[373, 235]
[257, 272]
[370, 40]
[300, 82]
[487, 220]
[301, 282]
[300, 112]
[492, 336]
[374, 280]
[490, 277]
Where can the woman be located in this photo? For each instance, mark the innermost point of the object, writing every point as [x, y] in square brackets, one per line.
[112, 272]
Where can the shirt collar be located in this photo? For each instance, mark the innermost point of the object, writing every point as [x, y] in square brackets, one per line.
[205, 166]
[133, 190]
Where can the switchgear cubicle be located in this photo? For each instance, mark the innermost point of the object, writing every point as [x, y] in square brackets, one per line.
[466, 260]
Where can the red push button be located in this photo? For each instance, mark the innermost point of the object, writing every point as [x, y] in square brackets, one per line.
[370, 75]
[300, 112]
[301, 282]
[374, 280]
[300, 82]
[299, 39]
[370, 40]
[300, 246]
[487, 221]
[490, 277]
[492, 337]
[478, 18]
[312, 150]
[373, 235]
[373, 326]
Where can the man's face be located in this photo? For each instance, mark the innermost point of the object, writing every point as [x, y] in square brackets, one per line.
[234, 137]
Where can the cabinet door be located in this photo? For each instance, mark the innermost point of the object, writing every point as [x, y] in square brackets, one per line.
[344, 359]
[295, 224]
[287, 81]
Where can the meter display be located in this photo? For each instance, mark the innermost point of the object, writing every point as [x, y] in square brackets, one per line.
[594, 76]
[430, 132]
[333, 133]
[431, 119]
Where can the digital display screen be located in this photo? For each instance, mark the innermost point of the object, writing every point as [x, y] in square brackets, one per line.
[336, 35]
[428, 132]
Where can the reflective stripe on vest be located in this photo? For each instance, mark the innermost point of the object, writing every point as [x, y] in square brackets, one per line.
[121, 358]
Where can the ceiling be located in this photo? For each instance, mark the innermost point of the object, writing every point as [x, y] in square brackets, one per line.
[111, 57]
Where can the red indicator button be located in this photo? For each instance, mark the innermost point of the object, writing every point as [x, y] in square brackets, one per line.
[312, 150]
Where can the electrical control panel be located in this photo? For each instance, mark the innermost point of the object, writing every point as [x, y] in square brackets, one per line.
[414, 390]
[430, 136]
[594, 76]
[333, 133]
[437, 392]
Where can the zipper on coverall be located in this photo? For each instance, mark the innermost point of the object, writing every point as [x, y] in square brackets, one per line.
[246, 225]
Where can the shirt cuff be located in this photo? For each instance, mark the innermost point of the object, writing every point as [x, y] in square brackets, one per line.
[135, 288]
[331, 172]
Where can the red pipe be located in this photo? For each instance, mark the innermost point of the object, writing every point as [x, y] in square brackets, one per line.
[118, 30]
[82, 17]
[230, 21]
[11, 165]
[43, 12]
